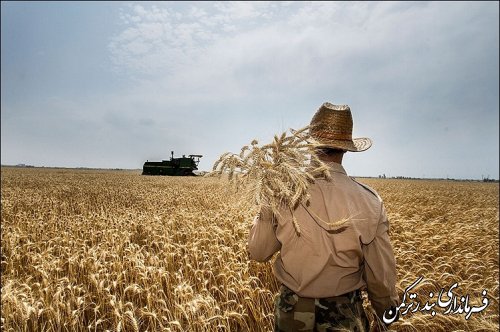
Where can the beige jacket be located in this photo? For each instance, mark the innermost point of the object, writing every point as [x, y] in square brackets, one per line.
[323, 262]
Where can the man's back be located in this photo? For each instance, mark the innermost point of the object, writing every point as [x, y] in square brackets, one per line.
[326, 261]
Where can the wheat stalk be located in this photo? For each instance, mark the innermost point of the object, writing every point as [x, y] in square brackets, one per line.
[275, 175]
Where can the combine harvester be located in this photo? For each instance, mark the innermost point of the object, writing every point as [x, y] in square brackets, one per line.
[175, 166]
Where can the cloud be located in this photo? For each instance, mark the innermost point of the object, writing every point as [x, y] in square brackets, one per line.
[156, 40]
[325, 49]
[313, 38]
[402, 66]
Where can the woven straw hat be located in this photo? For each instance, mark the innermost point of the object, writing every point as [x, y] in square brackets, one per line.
[331, 126]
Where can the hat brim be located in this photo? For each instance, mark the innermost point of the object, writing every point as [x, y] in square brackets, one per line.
[354, 145]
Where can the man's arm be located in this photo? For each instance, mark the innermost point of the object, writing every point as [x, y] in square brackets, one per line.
[380, 269]
[262, 242]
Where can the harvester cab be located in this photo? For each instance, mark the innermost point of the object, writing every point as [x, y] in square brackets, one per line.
[196, 158]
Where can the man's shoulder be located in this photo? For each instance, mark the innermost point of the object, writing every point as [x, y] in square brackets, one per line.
[369, 190]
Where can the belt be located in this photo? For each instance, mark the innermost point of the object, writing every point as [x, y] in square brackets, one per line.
[350, 297]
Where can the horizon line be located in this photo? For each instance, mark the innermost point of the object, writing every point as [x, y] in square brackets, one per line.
[397, 177]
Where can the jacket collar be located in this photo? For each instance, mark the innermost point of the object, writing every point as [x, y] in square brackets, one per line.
[336, 167]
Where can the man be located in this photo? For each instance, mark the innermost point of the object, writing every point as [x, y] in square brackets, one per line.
[323, 270]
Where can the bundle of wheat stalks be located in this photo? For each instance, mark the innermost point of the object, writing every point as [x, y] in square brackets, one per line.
[277, 175]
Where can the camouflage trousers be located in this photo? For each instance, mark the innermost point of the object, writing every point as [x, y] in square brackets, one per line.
[339, 313]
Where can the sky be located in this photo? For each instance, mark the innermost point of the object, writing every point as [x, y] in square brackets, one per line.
[113, 84]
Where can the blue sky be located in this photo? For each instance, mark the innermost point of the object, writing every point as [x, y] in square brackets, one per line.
[111, 84]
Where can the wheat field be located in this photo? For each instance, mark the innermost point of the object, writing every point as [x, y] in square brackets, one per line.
[90, 250]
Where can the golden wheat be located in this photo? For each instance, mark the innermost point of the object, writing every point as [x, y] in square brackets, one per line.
[114, 250]
[276, 175]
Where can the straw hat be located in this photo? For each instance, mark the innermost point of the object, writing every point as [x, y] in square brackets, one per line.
[331, 126]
